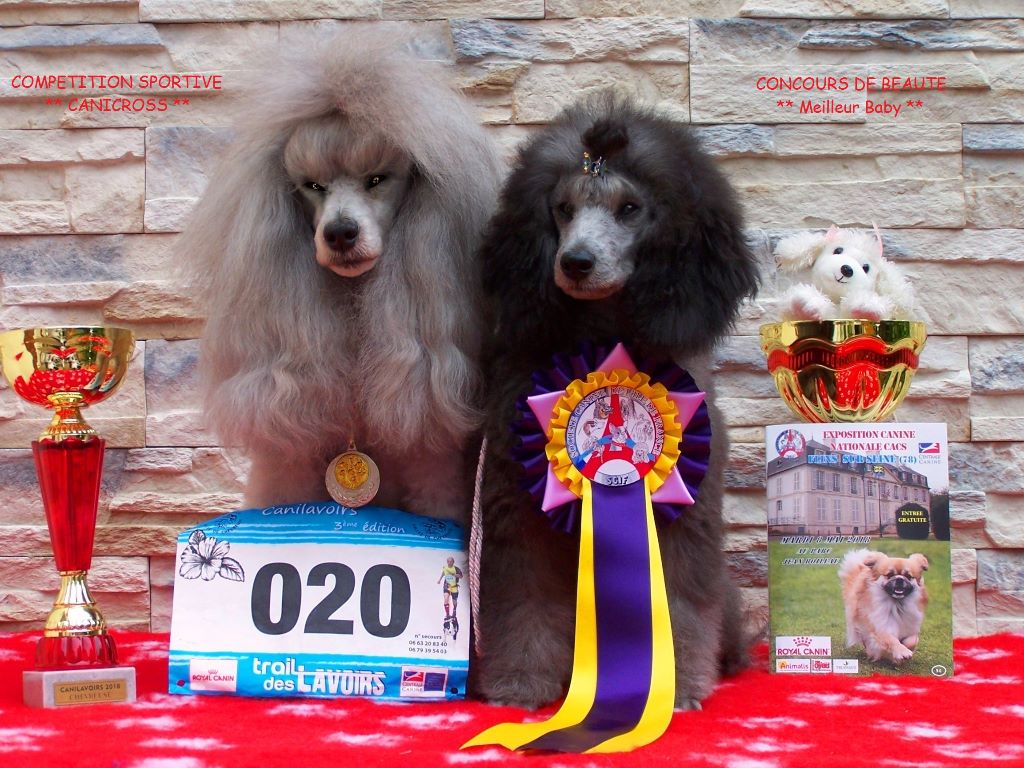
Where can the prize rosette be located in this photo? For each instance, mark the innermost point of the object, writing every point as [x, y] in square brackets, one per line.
[613, 445]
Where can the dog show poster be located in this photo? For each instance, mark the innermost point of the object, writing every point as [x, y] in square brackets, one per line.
[858, 549]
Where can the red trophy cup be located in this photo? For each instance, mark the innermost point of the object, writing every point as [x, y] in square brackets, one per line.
[66, 369]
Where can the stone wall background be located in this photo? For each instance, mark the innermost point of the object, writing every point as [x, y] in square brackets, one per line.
[90, 203]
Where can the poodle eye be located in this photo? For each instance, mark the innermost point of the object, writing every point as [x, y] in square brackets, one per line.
[315, 186]
[373, 181]
[565, 209]
[628, 208]
[866, 268]
[838, 250]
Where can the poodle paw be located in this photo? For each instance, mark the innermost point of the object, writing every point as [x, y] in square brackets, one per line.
[684, 704]
[528, 692]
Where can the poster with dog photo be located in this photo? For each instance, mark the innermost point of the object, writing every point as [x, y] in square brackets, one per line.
[858, 549]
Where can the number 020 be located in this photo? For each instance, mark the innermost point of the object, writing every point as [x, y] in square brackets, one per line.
[320, 619]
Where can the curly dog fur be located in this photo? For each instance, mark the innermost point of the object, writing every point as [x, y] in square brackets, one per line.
[335, 246]
[651, 253]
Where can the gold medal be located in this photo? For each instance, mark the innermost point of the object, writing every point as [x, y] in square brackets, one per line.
[352, 478]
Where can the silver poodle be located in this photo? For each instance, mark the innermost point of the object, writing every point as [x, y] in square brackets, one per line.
[335, 244]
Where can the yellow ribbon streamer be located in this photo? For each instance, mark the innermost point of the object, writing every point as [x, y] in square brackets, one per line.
[583, 685]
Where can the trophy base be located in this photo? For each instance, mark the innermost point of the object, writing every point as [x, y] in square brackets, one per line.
[70, 687]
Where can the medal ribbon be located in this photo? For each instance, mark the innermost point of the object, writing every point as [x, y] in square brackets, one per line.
[622, 690]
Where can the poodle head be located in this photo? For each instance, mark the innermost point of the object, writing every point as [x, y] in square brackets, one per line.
[839, 262]
[351, 186]
[613, 219]
[598, 215]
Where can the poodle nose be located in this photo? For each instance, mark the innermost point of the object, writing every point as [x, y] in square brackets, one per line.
[341, 234]
[577, 263]
[847, 270]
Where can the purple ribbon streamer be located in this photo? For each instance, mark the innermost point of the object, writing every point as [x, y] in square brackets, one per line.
[625, 642]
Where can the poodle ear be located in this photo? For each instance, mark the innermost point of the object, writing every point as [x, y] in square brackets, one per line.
[248, 244]
[685, 296]
[517, 261]
[799, 251]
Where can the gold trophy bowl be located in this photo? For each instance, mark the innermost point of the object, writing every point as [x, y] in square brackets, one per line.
[843, 371]
[66, 369]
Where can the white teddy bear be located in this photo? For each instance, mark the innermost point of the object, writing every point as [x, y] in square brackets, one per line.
[841, 274]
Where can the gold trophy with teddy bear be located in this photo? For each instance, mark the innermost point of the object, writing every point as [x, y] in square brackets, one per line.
[847, 347]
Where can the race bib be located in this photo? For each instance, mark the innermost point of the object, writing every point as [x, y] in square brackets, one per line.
[320, 600]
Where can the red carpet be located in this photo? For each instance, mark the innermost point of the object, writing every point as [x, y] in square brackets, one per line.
[755, 720]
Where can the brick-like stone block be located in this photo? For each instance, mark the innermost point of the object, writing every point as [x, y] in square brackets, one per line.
[693, 9]
[545, 89]
[83, 259]
[255, 10]
[137, 37]
[161, 580]
[993, 138]
[106, 198]
[985, 9]
[748, 569]
[168, 214]
[1003, 428]
[34, 217]
[966, 246]
[737, 140]
[744, 508]
[993, 307]
[1003, 520]
[190, 506]
[815, 204]
[745, 469]
[966, 508]
[628, 39]
[159, 461]
[982, 467]
[69, 12]
[745, 539]
[180, 158]
[965, 611]
[868, 139]
[964, 566]
[172, 384]
[953, 411]
[1002, 35]
[452, 9]
[997, 365]
[845, 9]
[66, 294]
[78, 146]
[153, 301]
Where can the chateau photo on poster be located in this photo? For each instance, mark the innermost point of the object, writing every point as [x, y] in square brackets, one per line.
[858, 548]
